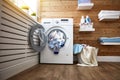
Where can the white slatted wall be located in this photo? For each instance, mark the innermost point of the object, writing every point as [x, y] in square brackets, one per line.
[15, 53]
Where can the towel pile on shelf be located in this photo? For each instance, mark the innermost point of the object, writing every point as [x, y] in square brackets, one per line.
[108, 15]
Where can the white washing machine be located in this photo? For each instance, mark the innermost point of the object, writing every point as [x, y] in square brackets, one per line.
[59, 45]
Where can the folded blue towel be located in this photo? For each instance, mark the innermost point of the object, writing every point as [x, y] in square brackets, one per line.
[77, 48]
[114, 39]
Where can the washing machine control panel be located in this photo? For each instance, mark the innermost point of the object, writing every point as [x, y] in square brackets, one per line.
[60, 21]
[57, 21]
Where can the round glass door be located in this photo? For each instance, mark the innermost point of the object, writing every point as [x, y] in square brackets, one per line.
[37, 38]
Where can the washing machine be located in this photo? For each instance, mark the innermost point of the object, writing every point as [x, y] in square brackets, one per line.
[53, 38]
[59, 45]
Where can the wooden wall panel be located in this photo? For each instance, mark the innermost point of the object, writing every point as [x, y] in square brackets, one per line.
[68, 9]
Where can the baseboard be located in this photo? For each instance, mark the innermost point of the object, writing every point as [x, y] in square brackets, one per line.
[108, 58]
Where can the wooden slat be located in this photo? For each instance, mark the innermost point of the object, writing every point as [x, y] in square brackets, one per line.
[8, 46]
[14, 62]
[110, 53]
[67, 14]
[32, 54]
[58, 3]
[14, 25]
[32, 57]
[74, 8]
[12, 35]
[106, 7]
[13, 18]
[29, 50]
[12, 41]
[58, 9]
[14, 51]
[106, 2]
[10, 63]
[12, 13]
[8, 28]
[13, 57]
[9, 52]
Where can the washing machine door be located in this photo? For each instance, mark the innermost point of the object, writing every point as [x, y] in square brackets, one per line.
[56, 39]
[37, 37]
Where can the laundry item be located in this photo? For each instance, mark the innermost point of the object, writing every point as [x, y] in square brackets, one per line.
[87, 55]
[77, 48]
[56, 40]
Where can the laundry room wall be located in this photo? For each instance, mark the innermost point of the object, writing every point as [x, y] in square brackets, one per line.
[15, 53]
[68, 9]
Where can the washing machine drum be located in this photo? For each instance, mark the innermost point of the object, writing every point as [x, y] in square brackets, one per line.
[56, 40]
[37, 37]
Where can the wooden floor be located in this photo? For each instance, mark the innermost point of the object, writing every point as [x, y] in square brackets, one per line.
[105, 71]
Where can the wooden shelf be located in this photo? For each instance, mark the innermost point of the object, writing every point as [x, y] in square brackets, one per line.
[86, 27]
[85, 6]
[108, 43]
[87, 30]
[108, 18]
